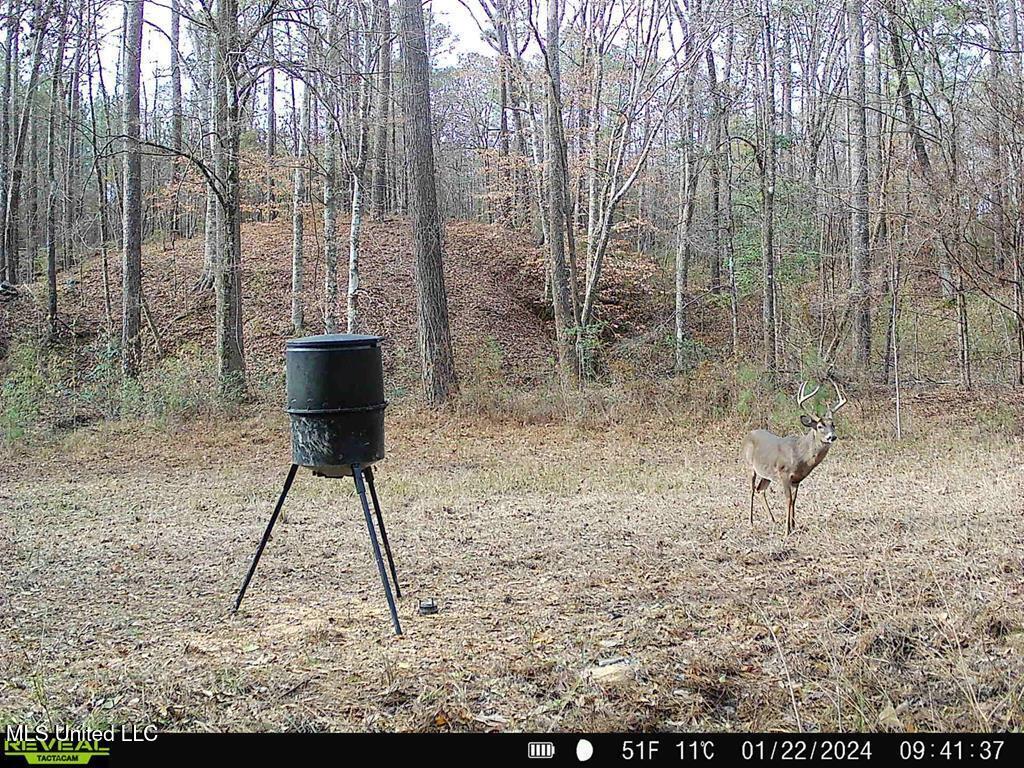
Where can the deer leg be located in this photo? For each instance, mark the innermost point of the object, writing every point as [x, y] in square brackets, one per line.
[789, 508]
[764, 498]
[753, 486]
[792, 508]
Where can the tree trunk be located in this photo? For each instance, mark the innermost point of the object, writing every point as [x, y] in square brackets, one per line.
[101, 193]
[176, 114]
[71, 212]
[379, 181]
[786, 42]
[52, 196]
[331, 231]
[767, 182]
[34, 184]
[561, 283]
[995, 85]
[728, 224]
[435, 342]
[228, 278]
[536, 148]
[358, 173]
[715, 173]
[271, 123]
[504, 170]
[860, 243]
[209, 149]
[7, 128]
[1017, 259]
[353, 253]
[963, 334]
[687, 198]
[9, 249]
[298, 214]
[131, 314]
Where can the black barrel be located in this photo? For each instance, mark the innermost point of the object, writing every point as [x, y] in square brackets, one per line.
[335, 385]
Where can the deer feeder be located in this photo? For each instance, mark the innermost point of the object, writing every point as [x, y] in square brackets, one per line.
[335, 401]
[335, 386]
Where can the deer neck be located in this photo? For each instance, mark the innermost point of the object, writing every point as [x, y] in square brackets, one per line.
[812, 448]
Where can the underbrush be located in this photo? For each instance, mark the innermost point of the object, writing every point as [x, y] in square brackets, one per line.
[736, 396]
[48, 391]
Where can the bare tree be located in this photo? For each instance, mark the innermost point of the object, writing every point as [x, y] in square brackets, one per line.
[860, 241]
[775, 150]
[767, 168]
[209, 144]
[70, 187]
[298, 213]
[562, 277]
[131, 313]
[689, 174]
[8, 129]
[439, 381]
[357, 151]
[379, 181]
[271, 120]
[19, 140]
[177, 117]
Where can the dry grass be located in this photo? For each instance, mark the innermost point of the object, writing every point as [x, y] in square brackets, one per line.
[549, 548]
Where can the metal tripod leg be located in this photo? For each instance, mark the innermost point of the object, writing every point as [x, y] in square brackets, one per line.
[266, 534]
[383, 531]
[357, 474]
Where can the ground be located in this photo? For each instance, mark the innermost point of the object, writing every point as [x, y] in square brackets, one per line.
[587, 579]
[591, 558]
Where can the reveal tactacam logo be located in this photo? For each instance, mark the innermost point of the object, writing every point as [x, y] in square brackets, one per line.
[55, 751]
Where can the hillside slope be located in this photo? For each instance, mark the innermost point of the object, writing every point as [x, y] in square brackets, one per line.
[493, 280]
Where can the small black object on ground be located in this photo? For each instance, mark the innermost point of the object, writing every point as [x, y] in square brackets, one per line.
[428, 607]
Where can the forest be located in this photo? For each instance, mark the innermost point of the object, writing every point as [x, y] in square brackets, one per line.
[602, 240]
[832, 186]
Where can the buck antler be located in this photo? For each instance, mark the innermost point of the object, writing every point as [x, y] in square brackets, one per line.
[842, 398]
[802, 397]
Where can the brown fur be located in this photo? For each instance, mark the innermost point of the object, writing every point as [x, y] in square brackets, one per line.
[786, 461]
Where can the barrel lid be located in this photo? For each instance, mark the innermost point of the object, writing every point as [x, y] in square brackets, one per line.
[334, 341]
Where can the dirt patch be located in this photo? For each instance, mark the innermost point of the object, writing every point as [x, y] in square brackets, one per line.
[550, 553]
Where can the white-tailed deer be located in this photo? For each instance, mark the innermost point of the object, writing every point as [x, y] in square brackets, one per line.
[788, 460]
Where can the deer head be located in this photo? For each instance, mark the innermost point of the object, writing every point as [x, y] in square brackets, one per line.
[822, 427]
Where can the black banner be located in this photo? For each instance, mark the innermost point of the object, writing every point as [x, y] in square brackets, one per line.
[138, 747]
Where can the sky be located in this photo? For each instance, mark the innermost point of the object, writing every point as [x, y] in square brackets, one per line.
[156, 47]
[455, 15]
[156, 54]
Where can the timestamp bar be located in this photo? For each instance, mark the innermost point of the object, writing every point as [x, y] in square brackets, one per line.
[696, 749]
[563, 748]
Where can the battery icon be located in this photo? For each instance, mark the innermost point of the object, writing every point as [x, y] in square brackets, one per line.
[540, 749]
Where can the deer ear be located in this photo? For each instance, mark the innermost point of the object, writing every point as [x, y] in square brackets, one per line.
[807, 421]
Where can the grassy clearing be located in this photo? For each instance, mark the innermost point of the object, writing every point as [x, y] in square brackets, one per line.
[550, 547]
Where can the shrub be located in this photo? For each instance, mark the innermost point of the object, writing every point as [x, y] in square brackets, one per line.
[23, 393]
[42, 391]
